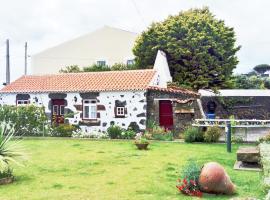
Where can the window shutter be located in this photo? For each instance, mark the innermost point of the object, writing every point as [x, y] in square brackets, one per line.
[125, 111]
[115, 112]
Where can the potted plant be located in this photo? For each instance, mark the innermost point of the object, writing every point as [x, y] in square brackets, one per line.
[10, 152]
[141, 142]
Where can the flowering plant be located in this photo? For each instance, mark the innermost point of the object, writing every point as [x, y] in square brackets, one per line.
[141, 139]
[190, 175]
[189, 187]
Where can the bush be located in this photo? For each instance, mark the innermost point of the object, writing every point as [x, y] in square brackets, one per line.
[6, 174]
[114, 131]
[266, 138]
[166, 136]
[63, 130]
[128, 134]
[27, 120]
[159, 133]
[193, 134]
[212, 134]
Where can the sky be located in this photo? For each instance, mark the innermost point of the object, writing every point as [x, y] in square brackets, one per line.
[46, 23]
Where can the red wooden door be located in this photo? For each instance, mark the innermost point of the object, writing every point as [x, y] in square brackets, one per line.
[165, 114]
[58, 108]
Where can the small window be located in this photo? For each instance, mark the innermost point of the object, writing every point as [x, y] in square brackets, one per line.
[62, 110]
[55, 109]
[130, 62]
[101, 62]
[23, 102]
[120, 111]
[89, 109]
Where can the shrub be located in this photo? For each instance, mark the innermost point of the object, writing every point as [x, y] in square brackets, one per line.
[63, 130]
[27, 120]
[5, 174]
[128, 134]
[159, 133]
[193, 134]
[141, 139]
[212, 134]
[266, 138]
[114, 131]
[188, 182]
[238, 139]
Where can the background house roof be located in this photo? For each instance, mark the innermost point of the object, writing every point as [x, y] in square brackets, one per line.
[83, 82]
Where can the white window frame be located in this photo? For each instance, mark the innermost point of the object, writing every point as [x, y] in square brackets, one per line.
[91, 105]
[21, 102]
[53, 109]
[60, 107]
[120, 111]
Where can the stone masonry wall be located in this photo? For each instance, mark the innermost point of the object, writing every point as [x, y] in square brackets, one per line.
[134, 102]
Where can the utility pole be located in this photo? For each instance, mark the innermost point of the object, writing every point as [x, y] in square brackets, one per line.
[7, 64]
[25, 58]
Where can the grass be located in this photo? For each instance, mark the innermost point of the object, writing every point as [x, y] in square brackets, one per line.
[116, 170]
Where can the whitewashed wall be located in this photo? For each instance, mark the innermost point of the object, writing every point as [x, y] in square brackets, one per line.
[135, 104]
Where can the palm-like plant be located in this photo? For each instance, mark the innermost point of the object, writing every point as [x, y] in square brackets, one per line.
[10, 150]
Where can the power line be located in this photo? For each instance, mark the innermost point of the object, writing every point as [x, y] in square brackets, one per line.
[138, 12]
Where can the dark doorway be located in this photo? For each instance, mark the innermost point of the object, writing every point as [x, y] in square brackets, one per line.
[58, 111]
[166, 114]
[211, 107]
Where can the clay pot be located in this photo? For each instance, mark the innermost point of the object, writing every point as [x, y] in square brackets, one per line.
[214, 179]
[142, 146]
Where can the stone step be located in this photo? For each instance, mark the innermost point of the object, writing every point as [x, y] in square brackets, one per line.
[248, 154]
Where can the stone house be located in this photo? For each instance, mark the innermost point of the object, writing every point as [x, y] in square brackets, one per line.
[96, 100]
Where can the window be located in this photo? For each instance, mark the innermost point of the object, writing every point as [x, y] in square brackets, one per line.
[89, 109]
[55, 109]
[22, 102]
[62, 109]
[130, 62]
[101, 62]
[120, 111]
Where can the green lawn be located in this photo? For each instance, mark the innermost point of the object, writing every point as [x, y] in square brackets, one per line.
[114, 170]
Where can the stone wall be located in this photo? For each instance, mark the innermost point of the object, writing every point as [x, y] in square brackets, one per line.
[180, 120]
[241, 107]
[134, 102]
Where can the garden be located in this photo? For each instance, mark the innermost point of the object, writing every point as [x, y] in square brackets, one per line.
[87, 169]
[68, 163]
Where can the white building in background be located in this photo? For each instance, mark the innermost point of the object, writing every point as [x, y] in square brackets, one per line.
[105, 46]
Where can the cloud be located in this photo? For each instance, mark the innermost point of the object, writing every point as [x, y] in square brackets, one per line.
[46, 23]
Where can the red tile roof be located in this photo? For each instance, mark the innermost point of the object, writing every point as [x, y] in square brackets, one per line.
[83, 82]
[176, 90]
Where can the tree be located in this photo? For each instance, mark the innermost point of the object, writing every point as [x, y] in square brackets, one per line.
[250, 82]
[262, 68]
[98, 68]
[200, 49]
[71, 69]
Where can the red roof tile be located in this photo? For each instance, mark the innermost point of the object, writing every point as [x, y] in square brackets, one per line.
[176, 90]
[82, 82]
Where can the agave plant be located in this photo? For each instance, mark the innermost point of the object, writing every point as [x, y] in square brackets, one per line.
[10, 150]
